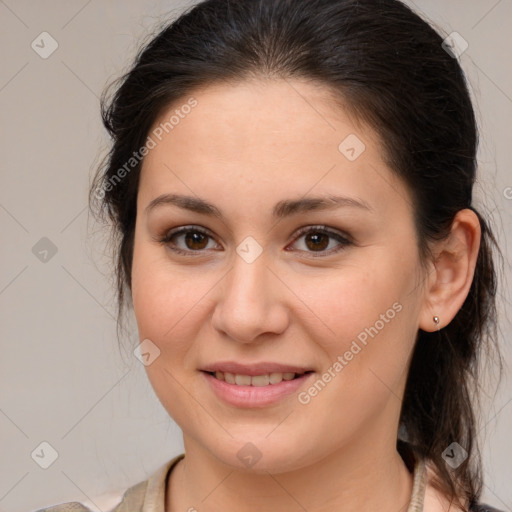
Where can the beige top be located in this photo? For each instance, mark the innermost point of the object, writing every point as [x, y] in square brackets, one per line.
[149, 495]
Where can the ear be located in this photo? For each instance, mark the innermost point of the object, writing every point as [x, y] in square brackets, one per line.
[452, 271]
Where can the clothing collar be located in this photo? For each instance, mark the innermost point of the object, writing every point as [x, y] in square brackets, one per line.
[154, 500]
[419, 484]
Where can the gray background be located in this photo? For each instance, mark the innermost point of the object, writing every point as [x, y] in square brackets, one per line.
[63, 379]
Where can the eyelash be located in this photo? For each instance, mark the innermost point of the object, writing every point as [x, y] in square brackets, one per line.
[344, 242]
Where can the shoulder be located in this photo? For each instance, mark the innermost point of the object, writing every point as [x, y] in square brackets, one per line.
[71, 506]
[435, 501]
[482, 507]
[150, 490]
[133, 499]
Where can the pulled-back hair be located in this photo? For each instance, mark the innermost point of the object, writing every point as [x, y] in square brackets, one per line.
[388, 67]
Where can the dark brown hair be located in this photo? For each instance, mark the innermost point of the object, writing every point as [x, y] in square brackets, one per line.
[389, 68]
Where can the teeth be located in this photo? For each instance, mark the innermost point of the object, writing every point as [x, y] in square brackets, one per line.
[243, 380]
[256, 380]
[260, 380]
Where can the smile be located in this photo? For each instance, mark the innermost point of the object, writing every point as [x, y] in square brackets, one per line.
[266, 379]
[247, 391]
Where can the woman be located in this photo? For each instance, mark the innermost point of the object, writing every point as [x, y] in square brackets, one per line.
[291, 186]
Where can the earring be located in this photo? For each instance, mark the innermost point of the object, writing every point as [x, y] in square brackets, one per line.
[436, 321]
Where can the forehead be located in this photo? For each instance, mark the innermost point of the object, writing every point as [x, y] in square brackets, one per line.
[264, 139]
[237, 119]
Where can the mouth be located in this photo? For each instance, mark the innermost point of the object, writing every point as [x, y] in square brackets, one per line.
[258, 390]
[266, 379]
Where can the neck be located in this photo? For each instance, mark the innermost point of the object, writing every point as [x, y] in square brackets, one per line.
[359, 477]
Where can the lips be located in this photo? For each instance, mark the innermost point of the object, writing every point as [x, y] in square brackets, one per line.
[254, 369]
[250, 396]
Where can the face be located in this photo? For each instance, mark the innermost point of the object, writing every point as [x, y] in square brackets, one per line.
[330, 287]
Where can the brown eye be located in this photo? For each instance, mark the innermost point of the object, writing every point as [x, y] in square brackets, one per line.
[194, 240]
[317, 239]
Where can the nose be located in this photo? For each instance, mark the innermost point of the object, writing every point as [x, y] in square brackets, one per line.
[250, 302]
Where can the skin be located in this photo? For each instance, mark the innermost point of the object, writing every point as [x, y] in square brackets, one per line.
[245, 147]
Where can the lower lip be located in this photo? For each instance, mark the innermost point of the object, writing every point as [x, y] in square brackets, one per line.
[254, 396]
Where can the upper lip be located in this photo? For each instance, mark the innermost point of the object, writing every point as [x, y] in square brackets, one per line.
[254, 368]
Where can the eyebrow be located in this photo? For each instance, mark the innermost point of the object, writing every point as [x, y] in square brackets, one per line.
[282, 209]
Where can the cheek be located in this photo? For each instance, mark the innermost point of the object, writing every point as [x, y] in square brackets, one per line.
[343, 305]
[170, 302]
[365, 316]
[154, 294]
[366, 340]
[166, 305]
[163, 306]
